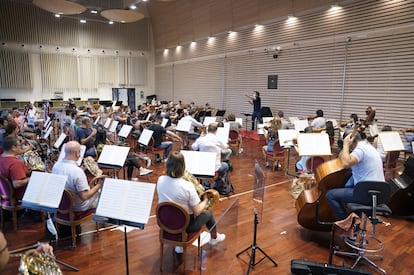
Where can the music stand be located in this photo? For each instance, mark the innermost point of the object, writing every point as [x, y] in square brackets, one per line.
[44, 193]
[314, 144]
[286, 137]
[246, 116]
[134, 196]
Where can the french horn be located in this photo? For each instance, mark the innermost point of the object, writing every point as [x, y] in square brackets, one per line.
[213, 197]
[34, 263]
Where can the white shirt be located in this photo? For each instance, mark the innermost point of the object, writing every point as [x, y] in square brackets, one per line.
[318, 122]
[210, 143]
[177, 190]
[194, 123]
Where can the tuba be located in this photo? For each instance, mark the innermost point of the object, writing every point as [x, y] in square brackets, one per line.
[34, 263]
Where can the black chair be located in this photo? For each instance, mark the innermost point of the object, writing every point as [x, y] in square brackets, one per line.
[369, 199]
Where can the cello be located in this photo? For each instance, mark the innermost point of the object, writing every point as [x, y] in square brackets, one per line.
[314, 212]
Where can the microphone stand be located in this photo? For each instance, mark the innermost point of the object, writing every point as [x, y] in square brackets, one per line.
[254, 246]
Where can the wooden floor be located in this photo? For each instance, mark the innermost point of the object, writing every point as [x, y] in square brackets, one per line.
[278, 235]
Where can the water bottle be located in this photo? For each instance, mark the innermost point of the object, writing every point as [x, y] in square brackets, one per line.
[203, 259]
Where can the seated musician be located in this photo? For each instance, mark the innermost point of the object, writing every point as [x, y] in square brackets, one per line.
[13, 168]
[158, 132]
[366, 165]
[85, 196]
[12, 129]
[271, 136]
[189, 116]
[85, 134]
[172, 187]
[409, 139]
[234, 125]
[285, 122]
[211, 143]
[319, 121]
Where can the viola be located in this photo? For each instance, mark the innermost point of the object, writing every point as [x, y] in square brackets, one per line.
[313, 210]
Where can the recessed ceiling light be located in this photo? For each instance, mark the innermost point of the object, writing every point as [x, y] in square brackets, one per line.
[83, 21]
[94, 11]
[133, 7]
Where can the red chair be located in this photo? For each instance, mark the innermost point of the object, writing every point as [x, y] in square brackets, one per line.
[152, 150]
[173, 220]
[234, 141]
[278, 156]
[8, 201]
[313, 162]
[68, 217]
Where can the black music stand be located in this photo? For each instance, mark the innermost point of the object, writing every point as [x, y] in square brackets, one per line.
[254, 246]
[139, 198]
[247, 116]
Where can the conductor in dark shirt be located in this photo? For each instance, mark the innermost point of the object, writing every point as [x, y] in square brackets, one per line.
[257, 107]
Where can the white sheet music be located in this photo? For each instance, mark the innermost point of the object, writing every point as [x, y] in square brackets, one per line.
[45, 189]
[114, 124]
[136, 202]
[164, 122]
[82, 152]
[48, 131]
[266, 120]
[391, 141]
[145, 136]
[125, 130]
[286, 137]
[223, 134]
[113, 155]
[292, 119]
[208, 120]
[200, 163]
[183, 126]
[239, 120]
[97, 120]
[300, 125]
[314, 144]
[60, 140]
[107, 122]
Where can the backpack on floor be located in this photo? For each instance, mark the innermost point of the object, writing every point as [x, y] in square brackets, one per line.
[223, 185]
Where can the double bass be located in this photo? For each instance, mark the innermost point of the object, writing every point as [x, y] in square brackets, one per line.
[314, 212]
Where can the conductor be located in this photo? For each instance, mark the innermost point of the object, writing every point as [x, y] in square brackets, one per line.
[257, 107]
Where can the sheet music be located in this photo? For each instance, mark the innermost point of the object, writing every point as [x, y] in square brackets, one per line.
[260, 129]
[239, 120]
[293, 119]
[125, 130]
[107, 122]
[63, 154]
[314, 144]
[286, 137]
[48, 131]
[183, 126]
[145, 136]
[45, 189]
[208, 120]
[60, 140]
[164, 122]
[391, 141]
[200, 163]
[113, 155]
[300, 125]
[97, 120]
[136, 202]
[266, 120]
[223, 134]
[114, 124]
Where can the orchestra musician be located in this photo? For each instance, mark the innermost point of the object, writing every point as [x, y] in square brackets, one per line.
[366, 165]
[409, 139]
[172, 187]
[85, 134]
[318, 121]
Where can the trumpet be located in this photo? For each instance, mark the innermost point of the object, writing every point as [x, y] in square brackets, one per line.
[213, 197]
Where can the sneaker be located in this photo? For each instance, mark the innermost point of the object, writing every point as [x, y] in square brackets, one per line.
[240, 150]
[179, 249]
[165, 160]
[220, 238]
[144, 171]
[148, 162]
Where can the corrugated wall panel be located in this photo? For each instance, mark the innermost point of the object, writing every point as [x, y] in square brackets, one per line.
[14, 70]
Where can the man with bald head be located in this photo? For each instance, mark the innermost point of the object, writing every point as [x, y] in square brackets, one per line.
[84, 195]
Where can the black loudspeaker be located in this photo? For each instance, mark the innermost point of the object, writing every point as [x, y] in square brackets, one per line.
[272, 81]
[303, 267]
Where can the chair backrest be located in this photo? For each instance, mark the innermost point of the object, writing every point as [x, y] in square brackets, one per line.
[172, 217]
[6, 191]
[233, 136]
[391, 159]
[409, 167]
[361, 192]
[278, 150]
[65, 210]
[314, 162]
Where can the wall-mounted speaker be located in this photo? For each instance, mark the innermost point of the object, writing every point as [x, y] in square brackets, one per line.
[272, 81]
